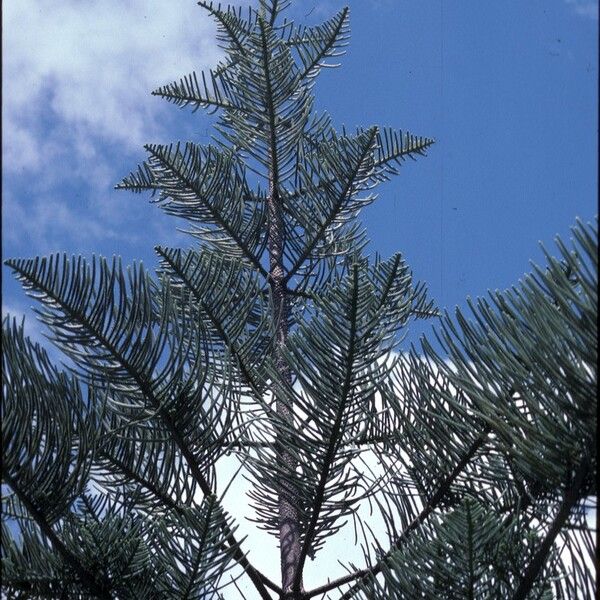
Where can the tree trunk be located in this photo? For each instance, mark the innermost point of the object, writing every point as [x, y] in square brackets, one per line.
[289, 532]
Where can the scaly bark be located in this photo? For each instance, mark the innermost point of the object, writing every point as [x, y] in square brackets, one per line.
[289, 530]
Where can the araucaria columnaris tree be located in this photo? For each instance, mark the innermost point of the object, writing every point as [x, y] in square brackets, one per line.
[276, 338]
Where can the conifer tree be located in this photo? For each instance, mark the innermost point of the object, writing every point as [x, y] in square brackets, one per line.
[276, 337]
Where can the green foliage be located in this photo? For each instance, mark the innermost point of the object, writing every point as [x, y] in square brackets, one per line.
[75, 542]
[276, 337]
[48, 461]
[503, 415]
[468, 553]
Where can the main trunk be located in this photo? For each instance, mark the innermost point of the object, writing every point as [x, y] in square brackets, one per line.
[289, 532]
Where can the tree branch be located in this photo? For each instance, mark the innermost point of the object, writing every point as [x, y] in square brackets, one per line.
[254, 574]
[145, 387]
[219, 15]
[331, 217]
[334, 439]
[331, 41]
[85, 577]
[215, 213]
[363, 574]
[572, 496]
[214, 320]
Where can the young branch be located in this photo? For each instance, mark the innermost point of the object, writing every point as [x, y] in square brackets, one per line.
[333, 441]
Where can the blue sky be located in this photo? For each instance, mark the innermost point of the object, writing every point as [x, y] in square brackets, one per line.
[508, 90]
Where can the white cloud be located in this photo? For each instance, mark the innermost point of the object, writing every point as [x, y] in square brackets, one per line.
[91, 66]
[585, 8]
[77, 81]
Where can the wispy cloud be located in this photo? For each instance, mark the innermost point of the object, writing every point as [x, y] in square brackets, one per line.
[98, 224]
[90, 67]
[584, 8]
[77, 81]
